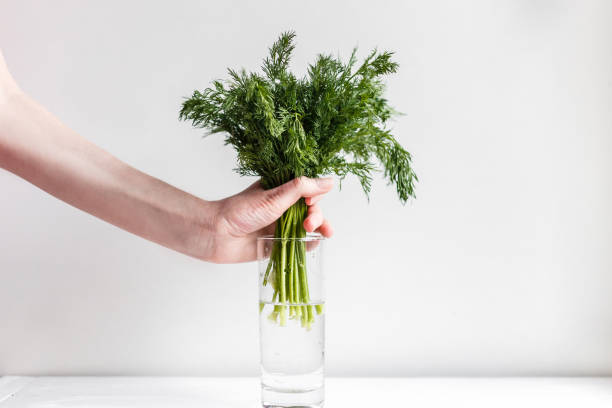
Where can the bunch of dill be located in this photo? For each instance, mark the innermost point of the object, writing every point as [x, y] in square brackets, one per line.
[332, 121]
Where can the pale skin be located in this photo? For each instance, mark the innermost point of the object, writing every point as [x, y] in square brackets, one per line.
[38, 147]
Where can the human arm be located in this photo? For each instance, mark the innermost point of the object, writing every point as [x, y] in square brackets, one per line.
[38, 147]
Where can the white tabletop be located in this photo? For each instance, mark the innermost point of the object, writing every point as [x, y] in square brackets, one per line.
[179, 392]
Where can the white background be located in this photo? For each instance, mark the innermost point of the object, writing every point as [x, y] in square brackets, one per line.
[502, 266]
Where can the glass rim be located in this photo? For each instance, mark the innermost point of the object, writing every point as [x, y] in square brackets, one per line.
[310, 236]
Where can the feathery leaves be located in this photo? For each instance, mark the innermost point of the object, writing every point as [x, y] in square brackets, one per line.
[332, 121]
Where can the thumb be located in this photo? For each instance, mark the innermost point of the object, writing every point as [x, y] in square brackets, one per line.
[284, 196]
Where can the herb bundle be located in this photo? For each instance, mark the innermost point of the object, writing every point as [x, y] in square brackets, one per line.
[332, 121]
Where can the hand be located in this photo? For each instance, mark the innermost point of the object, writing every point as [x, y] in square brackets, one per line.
[252, 213]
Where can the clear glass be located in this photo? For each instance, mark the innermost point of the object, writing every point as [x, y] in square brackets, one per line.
[292, 334]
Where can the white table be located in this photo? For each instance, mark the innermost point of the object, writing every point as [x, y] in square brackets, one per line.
[181, 392]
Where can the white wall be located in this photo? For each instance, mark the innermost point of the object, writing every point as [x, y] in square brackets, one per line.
[501, 266]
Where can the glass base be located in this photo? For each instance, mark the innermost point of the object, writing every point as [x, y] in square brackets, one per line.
[274, 398]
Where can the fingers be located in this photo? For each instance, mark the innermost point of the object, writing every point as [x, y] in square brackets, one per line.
[325, 229]
[286, 195]
[315, 222]
[271, 204]
[314, 218]
[313, 200]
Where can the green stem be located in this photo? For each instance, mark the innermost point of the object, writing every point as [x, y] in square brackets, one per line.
[286, 271]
